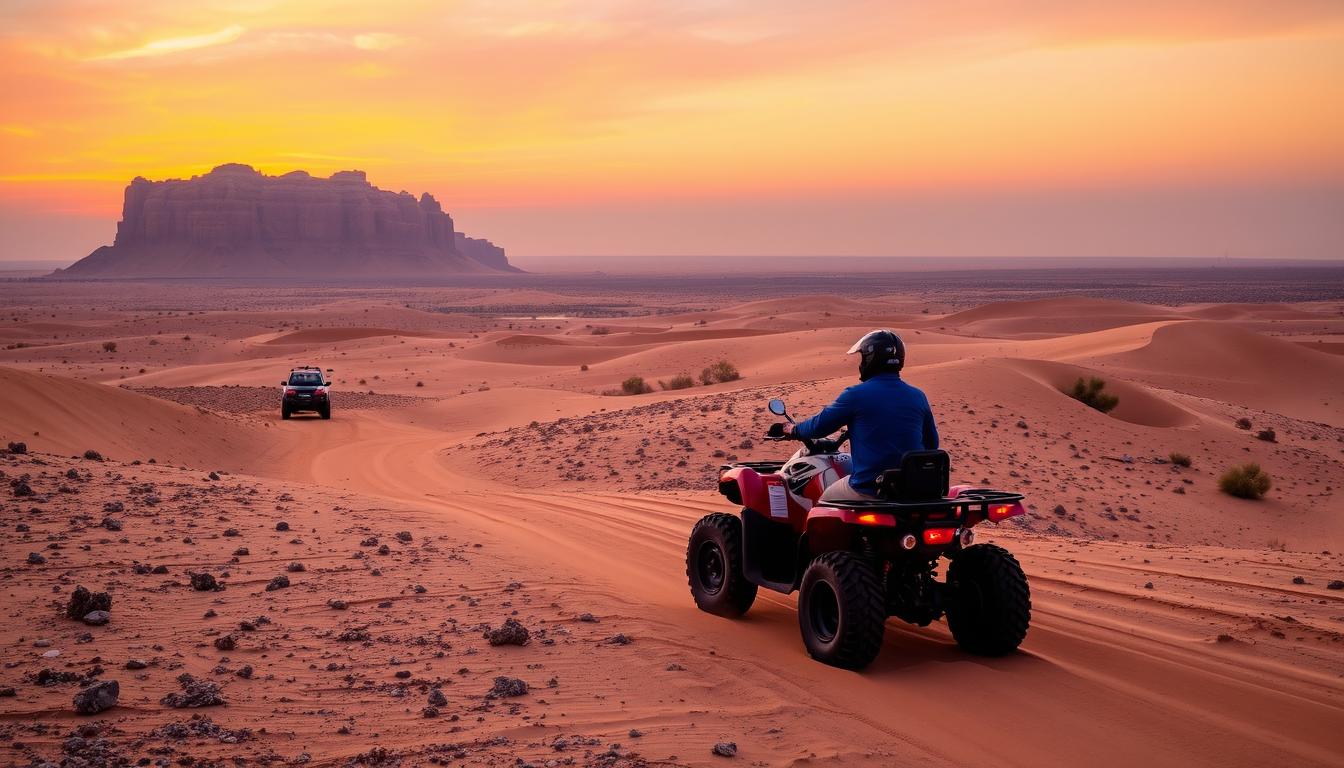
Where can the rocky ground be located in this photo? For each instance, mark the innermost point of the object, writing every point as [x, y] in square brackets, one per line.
[159, 616]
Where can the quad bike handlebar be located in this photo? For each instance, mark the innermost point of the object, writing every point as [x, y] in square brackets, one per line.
[819, 445]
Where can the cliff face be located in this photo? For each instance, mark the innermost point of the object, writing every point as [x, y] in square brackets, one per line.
[236, 222]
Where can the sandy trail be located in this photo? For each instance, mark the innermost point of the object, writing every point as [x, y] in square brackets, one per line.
[1111, 674]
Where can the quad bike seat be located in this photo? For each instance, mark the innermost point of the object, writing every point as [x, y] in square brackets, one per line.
[922, 477]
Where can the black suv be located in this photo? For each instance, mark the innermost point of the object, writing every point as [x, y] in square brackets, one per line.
[306, 390]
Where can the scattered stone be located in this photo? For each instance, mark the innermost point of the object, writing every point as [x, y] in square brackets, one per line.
[204, 582]
[404, 536]
[232, 533]
[511, 632]
[83, 602]
[279, 582]
[113, 507]
[226, 643]
[35, 558]
[241, 552]
[505, 687]
[619, 639]
[97, 618]
[136, 664]
[337, 605]
[195, 693]
[282, 526]
[1299, 580]
[1336, 584]
[97, 697]
[437, 698]
[93, 455]
[18, 448]
[295, 567]
[22, 488]
[1148, 585]
[725, 749]
[354, 635]
[111, 524]
[587, 618]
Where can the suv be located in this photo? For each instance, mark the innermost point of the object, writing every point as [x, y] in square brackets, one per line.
[306, 389]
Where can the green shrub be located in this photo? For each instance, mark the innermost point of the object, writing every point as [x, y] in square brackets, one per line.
[635, 386]
[1179, 459]
[1091, 392]
[1247, 481]
[719, 372]
[678, 382]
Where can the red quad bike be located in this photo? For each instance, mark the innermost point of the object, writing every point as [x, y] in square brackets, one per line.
[855, 563]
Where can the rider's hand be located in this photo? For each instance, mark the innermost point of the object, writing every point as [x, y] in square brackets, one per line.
[788, 430]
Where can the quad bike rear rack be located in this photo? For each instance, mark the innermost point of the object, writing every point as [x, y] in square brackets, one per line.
[973, 499]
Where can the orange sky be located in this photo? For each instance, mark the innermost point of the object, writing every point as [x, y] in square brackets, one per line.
[613, 126]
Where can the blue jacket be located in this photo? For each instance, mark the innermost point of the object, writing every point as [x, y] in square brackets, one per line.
[886, 418]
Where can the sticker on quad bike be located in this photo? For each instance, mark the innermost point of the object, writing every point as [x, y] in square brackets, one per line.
[779, 500]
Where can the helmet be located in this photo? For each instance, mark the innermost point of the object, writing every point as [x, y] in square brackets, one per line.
[879, 352]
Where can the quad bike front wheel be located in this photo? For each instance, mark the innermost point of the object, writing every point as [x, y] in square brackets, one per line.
[989, 605]
[714, 566]
[841, 610]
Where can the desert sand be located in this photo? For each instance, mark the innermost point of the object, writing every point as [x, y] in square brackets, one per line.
[475, 473]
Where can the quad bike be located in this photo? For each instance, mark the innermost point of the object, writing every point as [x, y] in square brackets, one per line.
[855, 563]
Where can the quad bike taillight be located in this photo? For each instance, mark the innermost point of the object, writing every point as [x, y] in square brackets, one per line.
[934, 537]
[999, 512]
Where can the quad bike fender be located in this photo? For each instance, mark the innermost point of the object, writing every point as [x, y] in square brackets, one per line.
[751, 489]
[997, 512]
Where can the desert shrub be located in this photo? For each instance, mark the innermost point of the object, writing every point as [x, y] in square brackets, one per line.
[601, 331]
[1179, 459]
[678, 382]
[1267, 435]
[419, 383]
[1092, 393]
[1243, 423]
[109, 346]
[719, 372]
[583, 367]
[635, 385]
[1247, 481]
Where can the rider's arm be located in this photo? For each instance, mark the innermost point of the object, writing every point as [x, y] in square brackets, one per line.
[831, 418]
[930, 430]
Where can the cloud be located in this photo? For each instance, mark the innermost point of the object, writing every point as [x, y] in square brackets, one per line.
[172, 45]
[378, 41]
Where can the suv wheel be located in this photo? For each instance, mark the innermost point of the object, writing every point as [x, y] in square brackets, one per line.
[284, 412]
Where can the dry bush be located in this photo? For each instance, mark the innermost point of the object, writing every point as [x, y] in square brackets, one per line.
[678, 382]
[635, 385]
[1268, 435]
[601, 331]
[1179, 459]
[1092, 393]
[719, 372]
[1246, 481]
[1243, 423]
[109, 346]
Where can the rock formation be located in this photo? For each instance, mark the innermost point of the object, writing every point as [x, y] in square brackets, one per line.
[237, 222]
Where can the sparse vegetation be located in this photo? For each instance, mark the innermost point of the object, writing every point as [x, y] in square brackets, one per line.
[601, 330]
[109, 346]
[1246, 481]
[678, 382]
[583, 367]
[1092, 393]
[1179, 459]
[1243, 423]
[1267, 435]
[719, 372]
[635, 385]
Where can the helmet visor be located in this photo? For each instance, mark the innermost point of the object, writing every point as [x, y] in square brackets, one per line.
[858, 345]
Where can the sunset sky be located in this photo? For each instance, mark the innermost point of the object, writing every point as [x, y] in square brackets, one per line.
[898, 128]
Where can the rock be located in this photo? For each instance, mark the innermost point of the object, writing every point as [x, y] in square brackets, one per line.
[337, 605]
[22, 488]
[241, 552]
[226, 643]
[1335, 584]
[83, 602]
[276, 226]
[36, 558]
[1148, 585]
[204, 582]
[437, 698]
[505, 687]
[93, 455]
[159, 569]
[111, 524]
[404, 536]
[279, 582]
[213, 475]
[136, 664]
[429, 712]
[587, 618]
[295, 567]
[619, 639]
[97, 618]
[97, 697]
[1299, 580]
[725, 749]
[511, 632]
[113, 507]
[18, 448]
[195, 693]
[282, 526]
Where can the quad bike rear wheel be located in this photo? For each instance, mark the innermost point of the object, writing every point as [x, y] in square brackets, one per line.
[841, 610]
[989, 605]
[714, 566]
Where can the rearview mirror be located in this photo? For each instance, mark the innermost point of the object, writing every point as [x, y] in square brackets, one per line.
[777, 407]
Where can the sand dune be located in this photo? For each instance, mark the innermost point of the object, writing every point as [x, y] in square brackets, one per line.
[333, 335]
[1138, 405]
[1046, 317]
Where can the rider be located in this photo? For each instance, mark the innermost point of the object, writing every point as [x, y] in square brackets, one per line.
[886, 417]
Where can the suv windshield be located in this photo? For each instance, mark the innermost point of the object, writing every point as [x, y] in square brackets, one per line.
[305, 379]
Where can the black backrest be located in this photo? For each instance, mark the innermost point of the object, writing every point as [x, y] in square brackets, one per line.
[922, 476]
